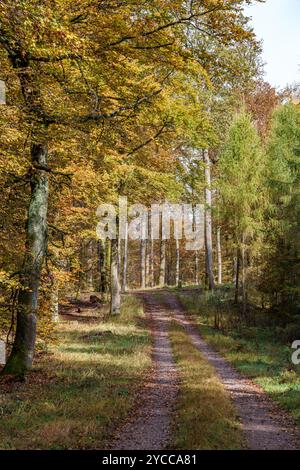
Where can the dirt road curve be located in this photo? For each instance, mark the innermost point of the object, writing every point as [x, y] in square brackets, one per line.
[265, 426]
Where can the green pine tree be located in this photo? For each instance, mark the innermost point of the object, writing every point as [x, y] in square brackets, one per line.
[283, 263]
[242, 166]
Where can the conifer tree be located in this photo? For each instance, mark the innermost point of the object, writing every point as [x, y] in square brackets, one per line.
[283, 273]
[242, 166]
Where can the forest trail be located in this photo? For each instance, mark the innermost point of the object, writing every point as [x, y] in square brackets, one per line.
[264, 424]
[150, 427]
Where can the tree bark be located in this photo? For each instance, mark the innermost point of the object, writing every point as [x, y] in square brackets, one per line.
[143, 263]
[115, 291]
[107, 269]
[101, 266]
[152, 263]
[162, 267]
[119, 253]
[54, 303]
[237, 277]
[147, 264]
[21, 357]
[125, 260]
[219, 254]
[234, 264]
[197, 268]
[90, 265]
[208, 221]
[177, 274]
[244, 277]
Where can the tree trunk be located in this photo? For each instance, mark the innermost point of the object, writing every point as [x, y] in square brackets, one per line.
[208, 222]
[90, 265]
[197, 267]
[54, 303]
[119, 253]
[169, 264]
[237, 277]
[143, 263]
[21, 357]
[101, 266]
[234, 264]
[107, 268]
[219, 254]
[162, 267]
[177, 275]
[196, 252]
[244, 277]
[147, 264]
[152, 263]
[115, 291]
[125, 260]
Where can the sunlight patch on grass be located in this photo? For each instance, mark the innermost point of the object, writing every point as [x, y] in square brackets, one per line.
[80, 392]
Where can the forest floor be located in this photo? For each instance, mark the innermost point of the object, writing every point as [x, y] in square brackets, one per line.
[144, 380]
[84, 386]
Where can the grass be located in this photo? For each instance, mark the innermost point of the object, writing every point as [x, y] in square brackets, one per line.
[205, 417]
[80, 392]
[255, 351]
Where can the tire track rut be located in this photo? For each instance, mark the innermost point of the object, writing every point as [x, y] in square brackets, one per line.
[150, 426]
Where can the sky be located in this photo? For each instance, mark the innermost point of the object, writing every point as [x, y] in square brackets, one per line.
[277, 23]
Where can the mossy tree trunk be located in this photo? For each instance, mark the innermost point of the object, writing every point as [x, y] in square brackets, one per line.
[21, 357]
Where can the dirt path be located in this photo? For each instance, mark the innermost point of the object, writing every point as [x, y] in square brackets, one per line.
[266, 427]
[150, 427]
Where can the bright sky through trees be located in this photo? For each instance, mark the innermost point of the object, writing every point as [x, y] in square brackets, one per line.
[277, 23]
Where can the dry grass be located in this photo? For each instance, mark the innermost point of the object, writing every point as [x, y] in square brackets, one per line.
[205, 417]
[77, 395]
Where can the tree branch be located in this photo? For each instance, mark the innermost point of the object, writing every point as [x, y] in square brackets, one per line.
[151, 139]
[59, 58]
[182, 20]
[93, 116]
[53, 172]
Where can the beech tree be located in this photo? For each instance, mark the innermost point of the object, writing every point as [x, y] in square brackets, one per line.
[64, 61]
